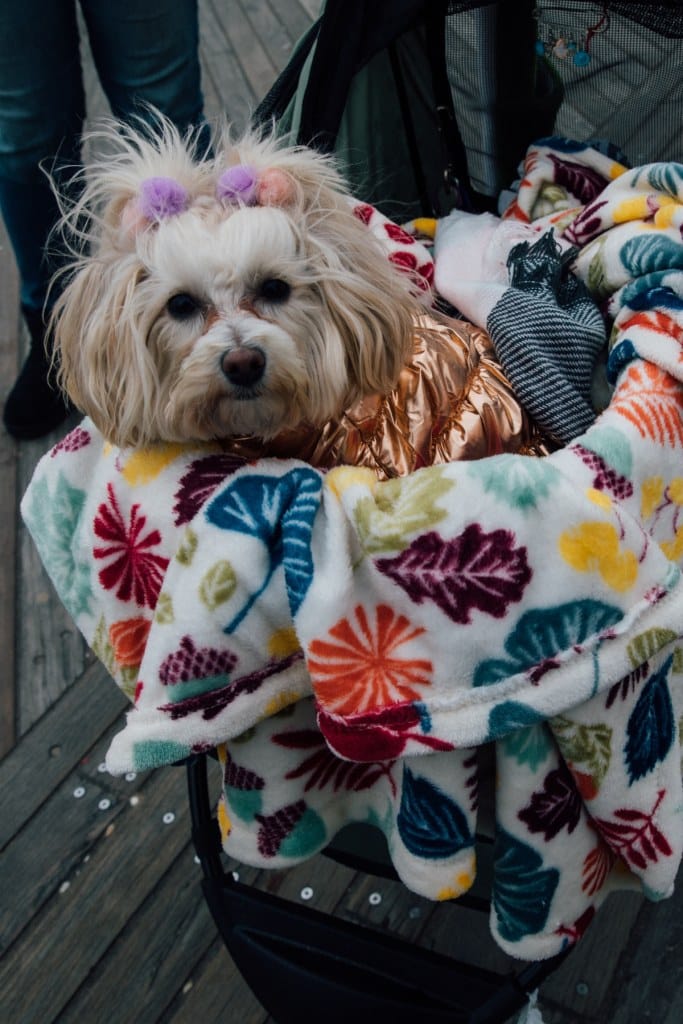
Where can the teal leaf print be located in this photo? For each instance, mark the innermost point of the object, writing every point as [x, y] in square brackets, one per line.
[510, 715]
[523, 889]
[430, 823]
[611, 445]
[292, 831]
[648, 253]
[651, 728]
[54, 519]
[542, 634]
[666, 177]
[529, 746]
[280, 512]
[516, 480]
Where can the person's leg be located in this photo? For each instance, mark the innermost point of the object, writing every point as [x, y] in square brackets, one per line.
[147, 53]
[41, 113]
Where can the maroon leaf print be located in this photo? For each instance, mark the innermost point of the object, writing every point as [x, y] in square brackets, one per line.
[132, 567]
[606, 478]
[323, 768]
[475, 570]
[377, 735]
[199, 483]
[596, 867]
[191, 662]
[583, 182]
[73, 442]
[586, 224]
[577, 930]
[634, 835]
[211, 703]
[237, 777]
[276, 827]
[628, 684]
[556, 806]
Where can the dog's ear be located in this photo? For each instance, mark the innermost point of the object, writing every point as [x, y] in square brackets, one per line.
[104, 365]
[372, 303]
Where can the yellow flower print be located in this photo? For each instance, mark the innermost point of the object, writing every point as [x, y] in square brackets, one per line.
[283, 642]
[651, 495]
[673, 549]
[676, 490]
[340, 479]
[461, 883]
[224, 822]
[599, 498]
[594, 547]
[146, 464]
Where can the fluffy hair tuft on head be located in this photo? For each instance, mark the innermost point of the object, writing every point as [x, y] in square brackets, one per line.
[223, 294]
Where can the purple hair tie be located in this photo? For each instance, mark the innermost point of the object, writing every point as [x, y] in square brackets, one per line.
[162, 197]
[238, 184]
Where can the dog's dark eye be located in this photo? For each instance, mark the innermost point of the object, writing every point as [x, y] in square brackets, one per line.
[273, 289]
[183, 306]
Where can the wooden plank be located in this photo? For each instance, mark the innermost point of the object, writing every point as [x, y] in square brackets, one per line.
[9, 365]
[216, 992]
[270, 31]
[258, 69]
[582, 983]
[157, 951]
[48, 964]
[295, 19]
[51, 847]
[51, 750]
[225, 83]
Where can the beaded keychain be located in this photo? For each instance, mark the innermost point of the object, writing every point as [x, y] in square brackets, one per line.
[563, 45]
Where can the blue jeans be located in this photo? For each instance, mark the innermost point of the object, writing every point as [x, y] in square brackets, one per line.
[145, 51]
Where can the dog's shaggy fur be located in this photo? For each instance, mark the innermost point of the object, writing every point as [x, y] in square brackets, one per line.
[225, 319]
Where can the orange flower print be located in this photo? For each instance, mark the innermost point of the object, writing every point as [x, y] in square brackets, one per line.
[128, 638]
[359, 668]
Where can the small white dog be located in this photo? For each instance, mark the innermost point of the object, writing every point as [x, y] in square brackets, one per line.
[225, 296]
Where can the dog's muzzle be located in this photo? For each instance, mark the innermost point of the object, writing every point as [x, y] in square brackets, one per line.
[244, 367]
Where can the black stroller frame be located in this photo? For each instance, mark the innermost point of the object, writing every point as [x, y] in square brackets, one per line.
[339, 970]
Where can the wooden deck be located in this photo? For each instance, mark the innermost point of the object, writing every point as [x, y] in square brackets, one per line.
[101, 914]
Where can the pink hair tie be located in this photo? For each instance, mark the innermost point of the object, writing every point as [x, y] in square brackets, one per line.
[237, 185]
[162, 197]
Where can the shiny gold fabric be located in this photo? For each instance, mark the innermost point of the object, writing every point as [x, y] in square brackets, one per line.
[452, 402]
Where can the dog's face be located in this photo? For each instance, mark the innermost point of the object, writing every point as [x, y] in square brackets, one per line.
[224, 320]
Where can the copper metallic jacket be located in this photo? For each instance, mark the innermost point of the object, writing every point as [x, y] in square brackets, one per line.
[452, 401]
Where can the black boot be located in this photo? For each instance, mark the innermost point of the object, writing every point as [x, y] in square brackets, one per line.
[35, 405]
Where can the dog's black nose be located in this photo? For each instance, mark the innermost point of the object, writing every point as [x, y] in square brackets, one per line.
[243, 367]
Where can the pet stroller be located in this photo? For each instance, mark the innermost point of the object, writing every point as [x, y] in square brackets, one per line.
[429, 107]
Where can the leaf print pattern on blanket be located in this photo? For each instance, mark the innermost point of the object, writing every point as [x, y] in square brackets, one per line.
[556, 806]
[542, 635]
[523, 889]
[133, 570]
[321, 768]
[280, 512]
[633, 835]
[430, 823]
[521, 483]
[358, 668]
[651, 728]
[52, 517]
[199, 482]
[473, 571]
[651, 401]
[399, 508]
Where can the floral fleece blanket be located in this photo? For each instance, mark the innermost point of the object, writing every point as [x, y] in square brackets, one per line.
[348, 645]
